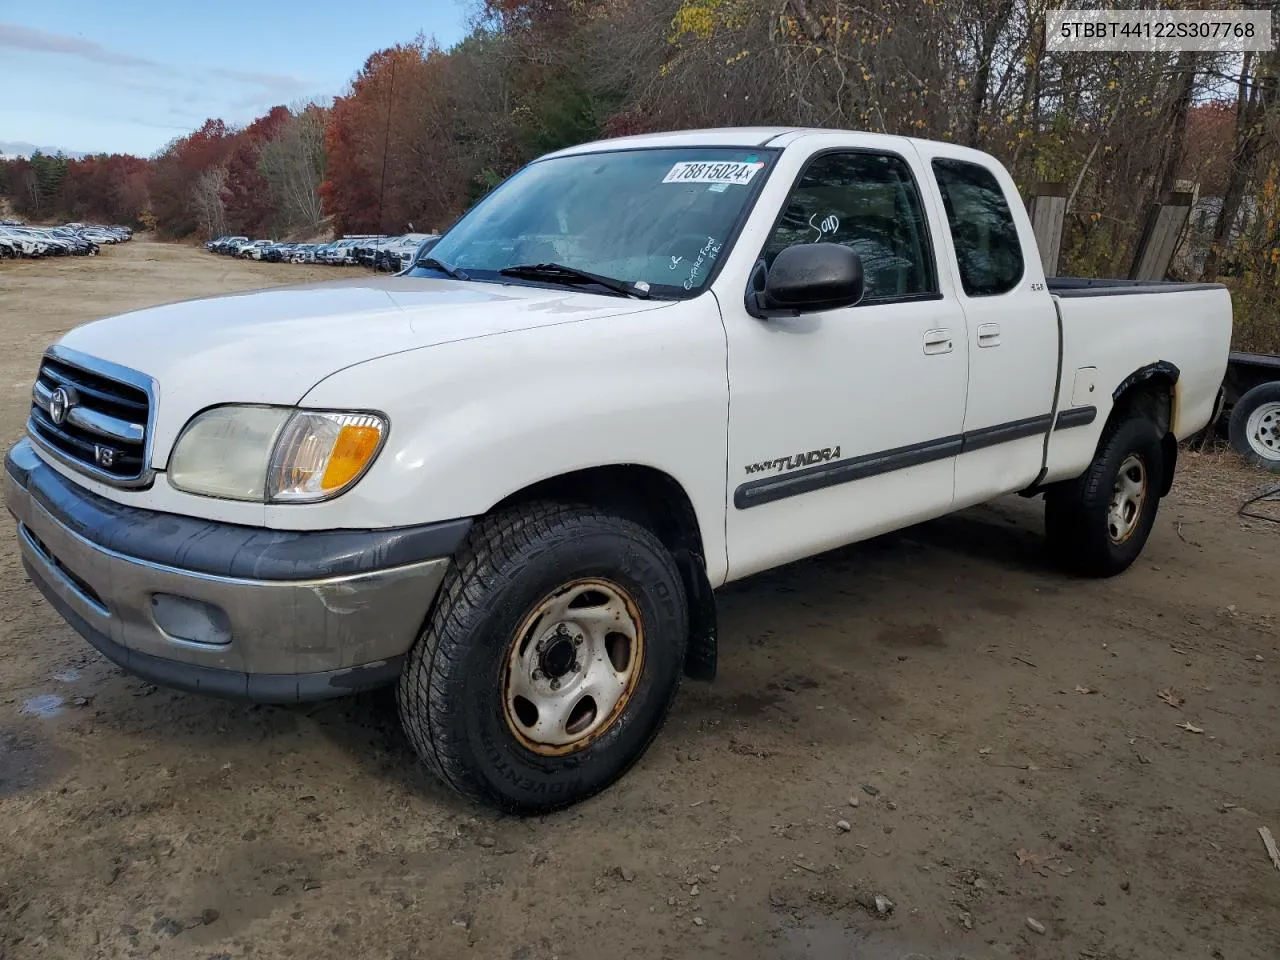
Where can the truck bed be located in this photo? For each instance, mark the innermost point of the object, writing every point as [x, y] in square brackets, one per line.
[1093, 287]
[1106, 341]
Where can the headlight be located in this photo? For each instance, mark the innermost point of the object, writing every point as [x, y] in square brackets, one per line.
[225, 452]
[274, 454]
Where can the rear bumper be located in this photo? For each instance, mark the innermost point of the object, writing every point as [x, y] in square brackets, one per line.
[221, 609]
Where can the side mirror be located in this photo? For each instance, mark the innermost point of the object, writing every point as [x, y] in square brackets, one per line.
[805, 278]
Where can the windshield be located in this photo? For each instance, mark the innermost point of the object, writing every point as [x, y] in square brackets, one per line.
[657, 218]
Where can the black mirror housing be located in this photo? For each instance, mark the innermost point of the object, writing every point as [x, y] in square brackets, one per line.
[809, 277]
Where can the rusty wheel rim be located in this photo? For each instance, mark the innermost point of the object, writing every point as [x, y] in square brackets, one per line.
[572, 666]
[1128, 497]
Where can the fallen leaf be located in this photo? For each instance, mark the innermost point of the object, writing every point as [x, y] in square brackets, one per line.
[1080, 689]
[985, 751]
[1027, 857]
[1190, 727]
[1172, 697]
[1270, 842]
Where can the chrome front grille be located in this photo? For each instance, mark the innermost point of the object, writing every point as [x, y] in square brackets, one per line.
[93, 415]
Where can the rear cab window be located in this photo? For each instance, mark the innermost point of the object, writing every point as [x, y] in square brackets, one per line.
[988, 248]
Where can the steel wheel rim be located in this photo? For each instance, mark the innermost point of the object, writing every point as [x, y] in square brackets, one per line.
[1128, 497]
[572, 666]
[1262, 430]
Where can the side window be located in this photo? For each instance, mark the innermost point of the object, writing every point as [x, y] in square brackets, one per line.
[987, 244]
[868, 202]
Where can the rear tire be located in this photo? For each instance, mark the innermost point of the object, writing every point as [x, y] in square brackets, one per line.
[1098, 523]
[550, 658]
[1255, 426]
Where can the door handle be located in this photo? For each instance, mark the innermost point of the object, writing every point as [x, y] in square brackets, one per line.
[938, 341]
[989, 335]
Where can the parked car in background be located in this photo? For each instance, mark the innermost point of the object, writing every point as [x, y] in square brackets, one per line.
[30, 243]
[228, 245]
[70, 239]
[278, 252]
[365, 249]
[80, 242]
[254, 249]
[399, 252]
[343, 252]
[321, 252]
[102, 234]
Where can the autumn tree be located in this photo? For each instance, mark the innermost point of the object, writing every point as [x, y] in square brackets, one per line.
[246, 196]
[176, 170]
[208, 198]
[292, 164]
[1257, 99]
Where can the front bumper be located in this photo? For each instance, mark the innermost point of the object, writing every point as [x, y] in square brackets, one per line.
[221, 609]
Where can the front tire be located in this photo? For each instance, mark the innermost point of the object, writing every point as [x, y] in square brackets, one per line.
[1098, 523]
[1255, 426]
[550, 658]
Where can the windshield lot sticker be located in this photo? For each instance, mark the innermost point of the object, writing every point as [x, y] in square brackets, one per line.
[734, 173]
[706, 257]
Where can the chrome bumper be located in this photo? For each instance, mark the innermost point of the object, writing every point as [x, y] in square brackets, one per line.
[230, 611]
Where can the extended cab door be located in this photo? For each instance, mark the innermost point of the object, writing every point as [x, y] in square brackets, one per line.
[843, 423]
[1012, 323]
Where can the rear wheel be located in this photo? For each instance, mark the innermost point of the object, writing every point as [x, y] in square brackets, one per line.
[1098, 523]
[550, 659]
[1255, 426]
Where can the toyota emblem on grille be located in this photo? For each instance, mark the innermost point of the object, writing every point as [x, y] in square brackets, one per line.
[60, 403]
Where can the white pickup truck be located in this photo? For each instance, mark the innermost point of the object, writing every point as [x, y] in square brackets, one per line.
[510, 478]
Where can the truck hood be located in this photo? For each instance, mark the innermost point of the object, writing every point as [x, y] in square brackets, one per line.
[272, 346]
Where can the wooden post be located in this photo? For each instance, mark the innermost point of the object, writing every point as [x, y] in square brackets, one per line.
[1048, 209]
[1159, 239]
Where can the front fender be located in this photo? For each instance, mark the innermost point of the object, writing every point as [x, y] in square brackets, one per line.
[475, 421]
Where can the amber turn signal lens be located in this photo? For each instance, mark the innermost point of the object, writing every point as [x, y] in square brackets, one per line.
[352, 451]
[322, 453]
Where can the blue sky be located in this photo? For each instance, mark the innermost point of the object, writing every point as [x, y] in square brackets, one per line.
[127, 76]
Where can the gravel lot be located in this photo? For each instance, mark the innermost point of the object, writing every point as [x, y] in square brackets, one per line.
[989, 731]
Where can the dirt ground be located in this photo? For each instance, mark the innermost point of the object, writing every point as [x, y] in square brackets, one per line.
[989, 730]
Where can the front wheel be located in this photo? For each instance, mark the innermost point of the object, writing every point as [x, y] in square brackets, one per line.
[1098, 523]
[1255, 426]
[550, 658]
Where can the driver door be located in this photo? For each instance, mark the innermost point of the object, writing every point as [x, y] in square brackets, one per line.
[846, 423]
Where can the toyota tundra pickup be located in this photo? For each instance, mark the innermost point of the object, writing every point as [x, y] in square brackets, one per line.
[510, 478]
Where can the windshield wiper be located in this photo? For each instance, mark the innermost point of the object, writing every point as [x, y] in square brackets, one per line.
[559, 273]
[448, 269]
